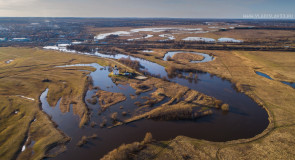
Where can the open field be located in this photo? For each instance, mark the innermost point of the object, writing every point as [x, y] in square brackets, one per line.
[21, 83]
[277, 98]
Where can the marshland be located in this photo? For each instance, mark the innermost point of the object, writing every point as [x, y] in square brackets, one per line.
[172, 92]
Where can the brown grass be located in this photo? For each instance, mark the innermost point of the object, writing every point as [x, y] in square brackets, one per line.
[107, 99]
[25, 76]
[114, 116]
[126, 151]
[225, 107]
[187, 57]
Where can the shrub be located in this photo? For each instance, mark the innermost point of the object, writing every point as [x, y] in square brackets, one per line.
[92, 124]
[114, 116]
[169, 58]
[124, 113]
[148, 138]
[225, 107]
[164, 78]
[92, 100]
[96, 87]
[138, 104]
[196, 76]
[190, 75]
[94, 136]
[218, 103]
[103, 123]
[83, 141]
[125, 151]
[171, 70]
[130, 63]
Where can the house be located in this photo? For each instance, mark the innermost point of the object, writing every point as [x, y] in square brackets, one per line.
[116, 70]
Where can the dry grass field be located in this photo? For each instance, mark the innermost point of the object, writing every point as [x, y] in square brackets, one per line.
[21, 83]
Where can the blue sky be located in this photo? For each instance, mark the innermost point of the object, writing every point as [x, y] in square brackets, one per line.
[144, 8]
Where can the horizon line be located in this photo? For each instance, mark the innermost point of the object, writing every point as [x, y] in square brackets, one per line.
[150, 18]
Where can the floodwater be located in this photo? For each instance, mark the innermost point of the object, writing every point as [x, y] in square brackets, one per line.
[263, 75]
[291, 84]
[232, 40]
[207, 58]
[244, 120]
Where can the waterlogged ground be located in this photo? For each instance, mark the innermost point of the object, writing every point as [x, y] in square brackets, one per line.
[244, 120]
[268, 77]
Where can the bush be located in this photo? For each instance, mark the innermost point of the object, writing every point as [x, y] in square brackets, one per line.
[138, 104]
[225, 107]
[94, 136]
[148, 138]
[92, 100]
[83, 141]
[103, 123]
[125, 151]
[164, 78]
[130, 63]
[190, 75]
[171, 70]
[92, 124]
[169, 58]
[218, 103]
[124, 113]
[114, 116]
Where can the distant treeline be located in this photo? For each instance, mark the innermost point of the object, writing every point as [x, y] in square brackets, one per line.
[268, 28]
[80, 48]
[133, 48]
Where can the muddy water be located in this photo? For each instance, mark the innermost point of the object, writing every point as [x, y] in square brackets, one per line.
[244, 120]
[207, 58]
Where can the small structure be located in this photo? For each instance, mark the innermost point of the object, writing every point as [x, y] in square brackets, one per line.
[116, 70]
[141, 77]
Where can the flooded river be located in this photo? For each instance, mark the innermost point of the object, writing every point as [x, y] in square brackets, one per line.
[244, 120]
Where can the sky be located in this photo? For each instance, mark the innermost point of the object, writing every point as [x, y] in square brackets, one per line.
[144, 8]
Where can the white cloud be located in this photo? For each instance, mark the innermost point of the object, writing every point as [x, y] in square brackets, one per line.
[15, 3]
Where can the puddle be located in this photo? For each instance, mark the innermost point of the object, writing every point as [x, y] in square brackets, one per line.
[230, 40]
[201, 39]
